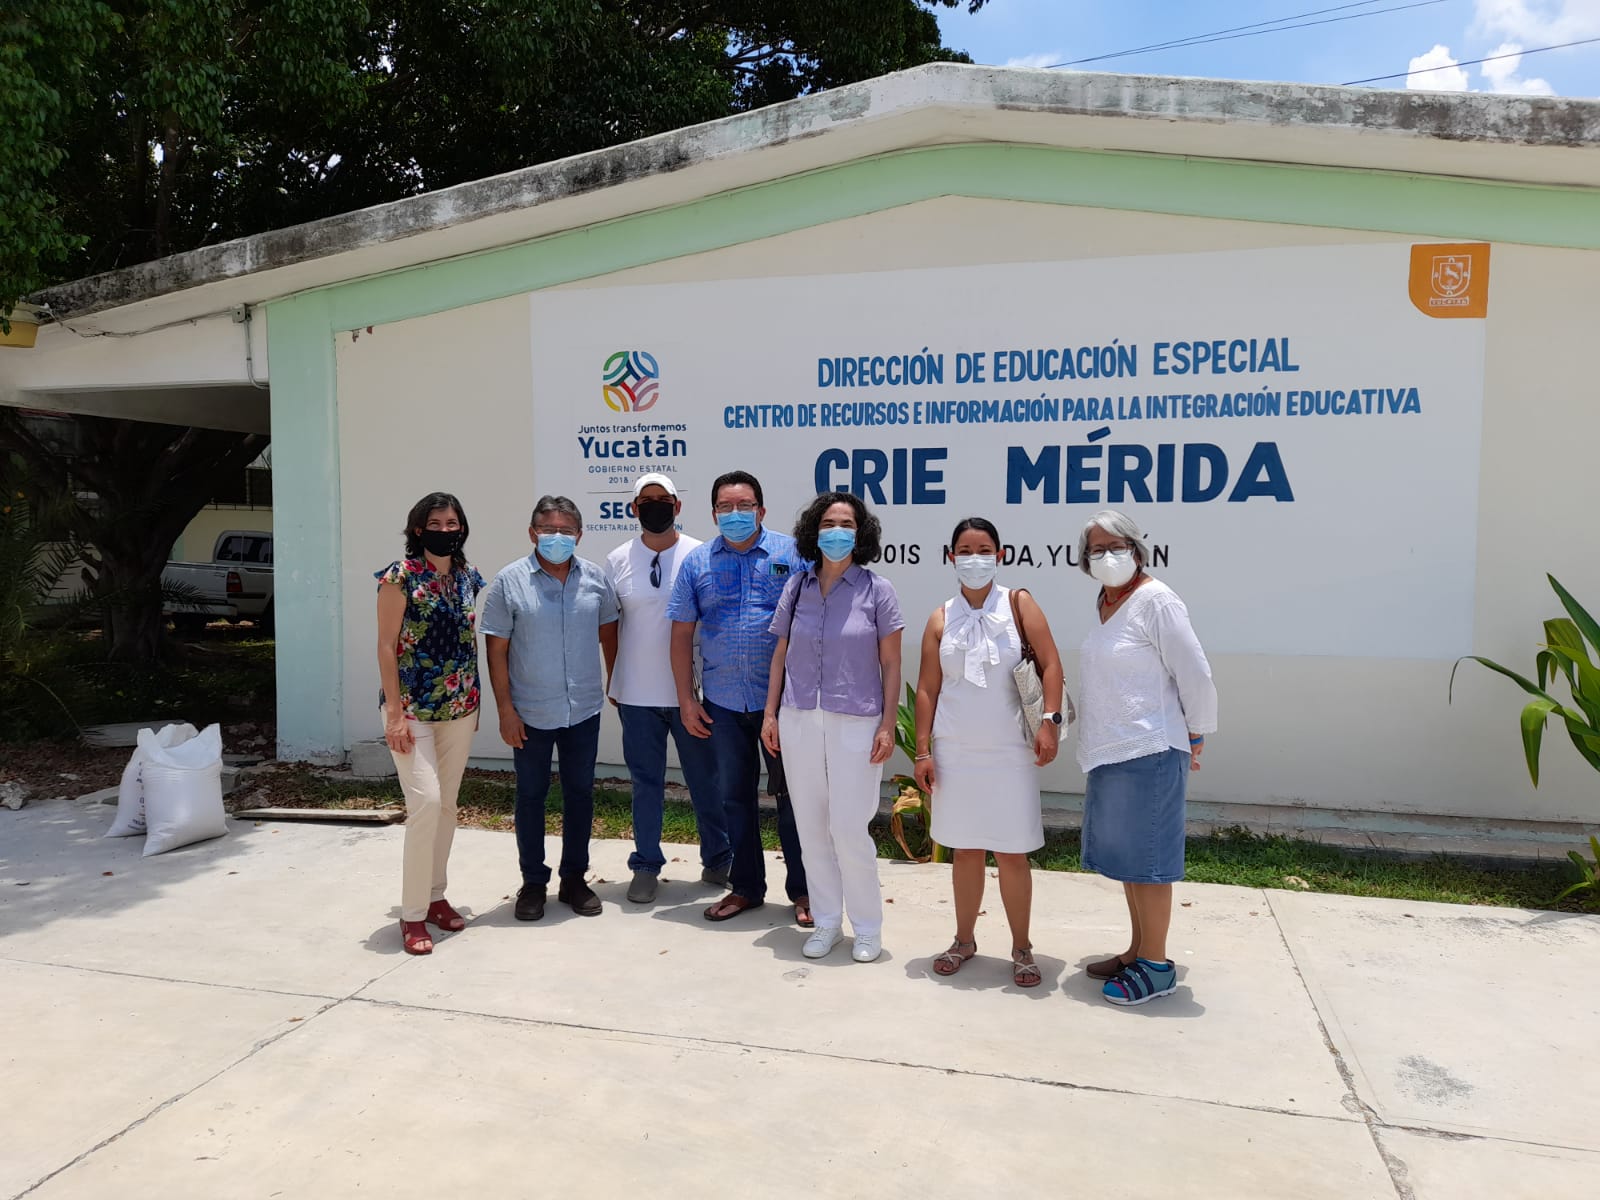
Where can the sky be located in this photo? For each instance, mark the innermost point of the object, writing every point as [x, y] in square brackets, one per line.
[1416, 34]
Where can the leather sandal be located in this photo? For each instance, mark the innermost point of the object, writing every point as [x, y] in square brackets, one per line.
[415, 937]
[446, 918]
[1025, 972]
[952, 960]
[802, 913]
[731, 906]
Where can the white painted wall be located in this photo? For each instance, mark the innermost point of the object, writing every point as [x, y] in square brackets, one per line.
[445, 402]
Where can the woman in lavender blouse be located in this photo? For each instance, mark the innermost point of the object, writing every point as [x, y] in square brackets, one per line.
[836, 672]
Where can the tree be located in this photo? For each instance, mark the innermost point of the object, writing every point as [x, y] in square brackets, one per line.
[130, 488]
[133, 129]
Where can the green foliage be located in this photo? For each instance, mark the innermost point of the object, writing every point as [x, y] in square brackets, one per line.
[30, 565]
[44, 49]
[1569, 652]
[910, 801]
[130, 129]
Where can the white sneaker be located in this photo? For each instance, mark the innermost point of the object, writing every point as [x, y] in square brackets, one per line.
[868, 947]
[821, 941]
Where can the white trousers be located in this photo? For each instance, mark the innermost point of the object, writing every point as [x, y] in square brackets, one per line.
[833, 785]
[430, 776]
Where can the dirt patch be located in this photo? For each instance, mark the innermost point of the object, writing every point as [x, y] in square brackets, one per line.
[48, 769]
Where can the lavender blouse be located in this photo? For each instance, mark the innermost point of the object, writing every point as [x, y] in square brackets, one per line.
[832, 661]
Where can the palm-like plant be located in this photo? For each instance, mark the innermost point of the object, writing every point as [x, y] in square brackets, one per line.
[30, 567]
[910, 800]
[1565, 654]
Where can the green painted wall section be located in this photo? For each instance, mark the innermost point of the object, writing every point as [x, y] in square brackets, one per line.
[307, 593]
[301, 328]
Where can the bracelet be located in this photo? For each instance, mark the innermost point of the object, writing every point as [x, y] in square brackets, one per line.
[1195, 740]
[921, 757]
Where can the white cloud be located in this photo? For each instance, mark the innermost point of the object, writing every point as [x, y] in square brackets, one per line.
[1501, 75]
[1538, 22]
[1034, 61]
[1439, 72]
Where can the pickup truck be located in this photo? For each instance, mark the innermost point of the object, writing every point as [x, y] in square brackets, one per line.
[236, 585]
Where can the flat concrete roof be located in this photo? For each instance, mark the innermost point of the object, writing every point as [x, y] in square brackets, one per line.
[1528, 139]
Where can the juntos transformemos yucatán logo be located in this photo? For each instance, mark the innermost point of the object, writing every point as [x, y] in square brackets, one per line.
[631, 381]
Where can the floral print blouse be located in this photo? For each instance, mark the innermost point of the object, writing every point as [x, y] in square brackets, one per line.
[438, 649]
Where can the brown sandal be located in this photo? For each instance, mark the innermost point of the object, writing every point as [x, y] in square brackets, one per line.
[1108, 968]
[415, 937]
[730, 906]
[802, 913]
[1025, 972]
[952, 960]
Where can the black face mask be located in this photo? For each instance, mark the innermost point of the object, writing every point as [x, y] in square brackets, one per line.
[655, 516]
[443, 543]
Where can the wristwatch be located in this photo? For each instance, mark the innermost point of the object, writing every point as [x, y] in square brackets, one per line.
[1054, 718]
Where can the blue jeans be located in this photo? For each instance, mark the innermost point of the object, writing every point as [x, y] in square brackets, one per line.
[736, 742]
[644, 749]
[577, 745]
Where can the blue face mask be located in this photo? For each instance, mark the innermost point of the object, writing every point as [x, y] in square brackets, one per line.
[836, 544]
[556, 547]
[737, 526]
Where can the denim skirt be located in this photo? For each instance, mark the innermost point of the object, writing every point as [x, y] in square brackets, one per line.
[1133, 818]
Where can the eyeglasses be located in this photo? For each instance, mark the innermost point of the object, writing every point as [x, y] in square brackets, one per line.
[1099, 552]
[551, 531]
[655, 570]
[744, 506]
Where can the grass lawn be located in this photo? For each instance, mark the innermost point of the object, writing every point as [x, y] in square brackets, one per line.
[1235, 857]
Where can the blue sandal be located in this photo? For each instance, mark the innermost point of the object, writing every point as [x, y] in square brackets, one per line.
[1140, 981]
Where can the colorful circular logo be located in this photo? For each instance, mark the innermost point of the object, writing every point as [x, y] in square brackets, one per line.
[630, 381]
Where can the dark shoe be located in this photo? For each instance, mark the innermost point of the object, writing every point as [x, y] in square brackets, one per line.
[717, 876]
[643, 888]
[580, 896]
[530, 902]
[1107, 969]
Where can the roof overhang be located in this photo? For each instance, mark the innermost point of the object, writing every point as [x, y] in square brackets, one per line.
[1526, 140]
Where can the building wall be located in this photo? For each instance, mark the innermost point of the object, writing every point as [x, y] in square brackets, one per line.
[443, 399]
[1324, 732]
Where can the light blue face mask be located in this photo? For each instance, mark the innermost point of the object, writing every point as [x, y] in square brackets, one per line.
[836, 544]
[556, 547]
[737, 526]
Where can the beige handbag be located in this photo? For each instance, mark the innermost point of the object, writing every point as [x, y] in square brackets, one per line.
[1029, 686]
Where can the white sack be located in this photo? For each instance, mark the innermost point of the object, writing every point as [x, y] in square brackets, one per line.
[183, 792]
[130, 794]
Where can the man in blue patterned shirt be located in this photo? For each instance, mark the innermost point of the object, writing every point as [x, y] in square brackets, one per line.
[730, 586]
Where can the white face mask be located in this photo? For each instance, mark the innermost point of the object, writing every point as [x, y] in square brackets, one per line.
[976, 570]
[1114, 569]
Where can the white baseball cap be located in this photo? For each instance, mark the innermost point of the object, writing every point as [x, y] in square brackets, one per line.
[655, 477]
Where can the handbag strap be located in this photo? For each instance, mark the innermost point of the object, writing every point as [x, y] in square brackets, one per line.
[1022, 630]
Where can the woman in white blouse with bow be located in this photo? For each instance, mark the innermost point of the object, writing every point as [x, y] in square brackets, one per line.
[1148, 702]
[973, 753]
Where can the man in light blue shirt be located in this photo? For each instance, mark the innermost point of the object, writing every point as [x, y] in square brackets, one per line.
[729, 587]
[545, 619]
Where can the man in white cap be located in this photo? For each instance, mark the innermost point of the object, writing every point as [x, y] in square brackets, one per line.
[642, 688]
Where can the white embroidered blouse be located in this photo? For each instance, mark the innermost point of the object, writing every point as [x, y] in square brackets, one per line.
[1144, 683]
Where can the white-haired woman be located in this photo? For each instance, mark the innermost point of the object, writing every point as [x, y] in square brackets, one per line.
[1146, 703]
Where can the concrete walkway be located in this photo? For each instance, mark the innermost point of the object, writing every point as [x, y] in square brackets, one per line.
[237, 1020]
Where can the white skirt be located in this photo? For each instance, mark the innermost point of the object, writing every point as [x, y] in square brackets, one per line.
[980, 805]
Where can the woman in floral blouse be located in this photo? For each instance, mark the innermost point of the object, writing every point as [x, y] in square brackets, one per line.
[428, 665]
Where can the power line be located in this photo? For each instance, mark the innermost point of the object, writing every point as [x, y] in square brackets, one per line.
[1232, 29]
[1471, 62]
[1256, 30]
